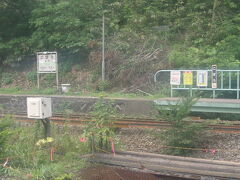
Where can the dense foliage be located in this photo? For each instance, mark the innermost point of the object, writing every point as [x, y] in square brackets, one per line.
[204, 32]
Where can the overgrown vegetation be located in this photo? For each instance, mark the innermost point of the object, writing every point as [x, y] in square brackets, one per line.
[7, 78]
[141, 36]
[100, 132]
[5, 132]
[25, 153]
[183, 134]
[32, 76]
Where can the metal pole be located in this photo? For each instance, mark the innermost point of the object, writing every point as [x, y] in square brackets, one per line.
[238, 85]
[57, 71]
[38, 83]
[103, 47]
[222, 80]
[230, 80]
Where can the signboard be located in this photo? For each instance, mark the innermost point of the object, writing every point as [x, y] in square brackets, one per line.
[188, 78]
[175, 78]
[214, 76]
[47, 62]
[202, 78]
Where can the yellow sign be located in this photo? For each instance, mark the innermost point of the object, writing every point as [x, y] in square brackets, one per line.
[188, 78]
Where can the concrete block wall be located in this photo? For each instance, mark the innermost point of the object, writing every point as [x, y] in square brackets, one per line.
[128, 107]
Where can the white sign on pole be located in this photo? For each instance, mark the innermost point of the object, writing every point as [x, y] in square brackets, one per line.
[202, 78]
[175, 78]
[47, 62]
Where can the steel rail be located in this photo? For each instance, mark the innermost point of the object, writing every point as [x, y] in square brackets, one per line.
[127, 122]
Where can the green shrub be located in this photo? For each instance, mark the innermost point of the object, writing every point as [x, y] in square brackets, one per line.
[100, 131]
[95, 75]
[103, 85]
[65, 67]
[182, 134]
[7, 78]
[50, 78]
[32, 76]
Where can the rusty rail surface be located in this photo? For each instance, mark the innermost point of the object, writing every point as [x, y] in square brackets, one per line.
[127, 122]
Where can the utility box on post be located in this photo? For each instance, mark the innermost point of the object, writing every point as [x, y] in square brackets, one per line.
[39, 107]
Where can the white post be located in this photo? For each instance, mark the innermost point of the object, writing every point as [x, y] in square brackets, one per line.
[103, 47]
[38, 83]
[57, 71]
[38, 80]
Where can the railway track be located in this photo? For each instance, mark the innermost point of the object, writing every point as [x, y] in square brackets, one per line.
[127, 122]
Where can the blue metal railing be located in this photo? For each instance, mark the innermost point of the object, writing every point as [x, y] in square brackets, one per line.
[228, 80]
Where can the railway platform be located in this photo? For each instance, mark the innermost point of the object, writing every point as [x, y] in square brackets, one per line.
[205, 105]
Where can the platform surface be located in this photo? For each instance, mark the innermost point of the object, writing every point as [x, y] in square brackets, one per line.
[205, 105]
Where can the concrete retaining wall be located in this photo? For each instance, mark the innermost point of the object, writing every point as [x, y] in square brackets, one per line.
[76, 104]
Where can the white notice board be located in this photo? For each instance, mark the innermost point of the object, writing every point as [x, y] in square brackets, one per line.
[202, 78]
[175, 78]
[47, 62]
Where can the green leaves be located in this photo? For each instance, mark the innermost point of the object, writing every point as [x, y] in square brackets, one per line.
[182, 134]
[15, 32]
[64, 25]
[101, 130]
[5, 132]
[209, 26]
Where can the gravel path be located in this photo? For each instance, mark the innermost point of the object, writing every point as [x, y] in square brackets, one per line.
[219, 146]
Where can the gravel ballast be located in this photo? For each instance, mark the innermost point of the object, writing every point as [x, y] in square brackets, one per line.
[215, 146]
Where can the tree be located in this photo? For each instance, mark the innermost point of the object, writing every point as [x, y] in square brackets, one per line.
[65, 25]
[15, 31]
[183, 135]
[206, 31]
[211, 35]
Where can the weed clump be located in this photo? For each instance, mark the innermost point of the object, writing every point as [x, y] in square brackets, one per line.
[101, 131]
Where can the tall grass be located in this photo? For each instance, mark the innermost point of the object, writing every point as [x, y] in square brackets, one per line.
[26, 156]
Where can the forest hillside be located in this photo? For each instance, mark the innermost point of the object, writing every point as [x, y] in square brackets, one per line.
[141, 37]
